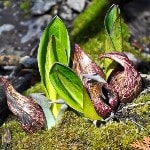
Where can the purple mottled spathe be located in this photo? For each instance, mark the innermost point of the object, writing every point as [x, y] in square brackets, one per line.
[125, 80]
[30, 113]
[82, 64]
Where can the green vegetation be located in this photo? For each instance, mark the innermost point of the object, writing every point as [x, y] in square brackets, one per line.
[7, 3]
[89, 32]
[54, 47]
[25, 6]
[37, 88]
[73, 132]
[53, 62]
[89, 23]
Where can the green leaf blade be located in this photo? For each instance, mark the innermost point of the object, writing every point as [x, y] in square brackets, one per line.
[68, 86]
[114, 41]
[54, 47]
[57, 28]
[55, 53]
[110, 18]
[71, 89]
[117, 35]
[88, 108]
[113, 28]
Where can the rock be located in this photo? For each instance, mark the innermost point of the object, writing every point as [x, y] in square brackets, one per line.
[29, 62]
[35, 27]
[42, 6]
[4, 111]
[135, 60]
[65, 13]
[137, 14]
[77, 5]
[23, 82]
[6, 27]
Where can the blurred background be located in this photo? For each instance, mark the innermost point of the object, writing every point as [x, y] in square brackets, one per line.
[22, 22]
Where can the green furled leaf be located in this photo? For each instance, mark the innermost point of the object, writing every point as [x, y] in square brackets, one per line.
[68, 86]
[54, 47]
[113, 28]
[88, 108]
[117, 36]
[114, 40]
[57, 28]
[110, 18]
[55, 53]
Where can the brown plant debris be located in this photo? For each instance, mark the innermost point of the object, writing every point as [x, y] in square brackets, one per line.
[143, 144]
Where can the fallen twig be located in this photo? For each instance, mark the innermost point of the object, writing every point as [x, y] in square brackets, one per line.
[133, 105]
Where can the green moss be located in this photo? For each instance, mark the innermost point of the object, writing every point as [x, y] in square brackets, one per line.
[90, 22]
[74, 132]
[25, 6]
[37, 88]
[15, 129]
[88, 31]
[7, 3]
[143, 112]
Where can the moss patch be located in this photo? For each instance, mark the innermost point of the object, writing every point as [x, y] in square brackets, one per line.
[89, 29]
[37, 88]
[25, 6]
[89, 32]
[7, 3]
[90, 22]
[74, 132]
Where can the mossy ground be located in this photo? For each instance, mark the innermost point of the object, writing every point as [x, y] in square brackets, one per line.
[89, 32]
[73, 131]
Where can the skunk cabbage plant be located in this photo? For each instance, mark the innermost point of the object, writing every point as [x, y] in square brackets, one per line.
[83, 86]
[92, 78]
[54, 47]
